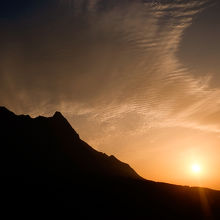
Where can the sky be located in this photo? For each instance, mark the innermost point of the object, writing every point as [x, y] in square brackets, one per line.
[138, 79]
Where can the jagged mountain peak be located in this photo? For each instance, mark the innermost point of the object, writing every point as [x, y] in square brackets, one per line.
[58, 114]
[55, 136]
[44, 164]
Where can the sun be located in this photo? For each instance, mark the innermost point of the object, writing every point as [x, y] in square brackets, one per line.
[196, 168]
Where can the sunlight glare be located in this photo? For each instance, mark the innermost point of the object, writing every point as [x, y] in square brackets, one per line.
[196, 168]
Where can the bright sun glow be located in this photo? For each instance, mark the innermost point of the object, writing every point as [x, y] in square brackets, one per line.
[196, 168]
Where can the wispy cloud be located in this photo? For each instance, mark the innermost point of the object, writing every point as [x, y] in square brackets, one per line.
[109, 63]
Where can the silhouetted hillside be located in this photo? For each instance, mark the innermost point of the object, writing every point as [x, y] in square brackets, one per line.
[46, 169]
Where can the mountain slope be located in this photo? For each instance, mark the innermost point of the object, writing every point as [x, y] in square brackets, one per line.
[55, 144]
[46, 168]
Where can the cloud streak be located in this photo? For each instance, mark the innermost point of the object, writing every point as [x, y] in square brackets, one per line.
[109, 63]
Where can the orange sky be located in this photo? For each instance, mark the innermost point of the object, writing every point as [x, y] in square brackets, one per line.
[136, 79]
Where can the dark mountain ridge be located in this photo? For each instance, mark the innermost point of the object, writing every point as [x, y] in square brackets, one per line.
[54, 138]
[47, 168]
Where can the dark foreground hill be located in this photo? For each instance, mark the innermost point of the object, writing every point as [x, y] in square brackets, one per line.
[47, 170]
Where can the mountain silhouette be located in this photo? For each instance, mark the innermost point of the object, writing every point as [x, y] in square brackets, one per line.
[46, 169]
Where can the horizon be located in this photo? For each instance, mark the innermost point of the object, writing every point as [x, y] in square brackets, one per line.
[136, 79]
[60, 113]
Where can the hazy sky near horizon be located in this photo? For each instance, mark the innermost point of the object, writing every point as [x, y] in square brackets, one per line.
[136, 78]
